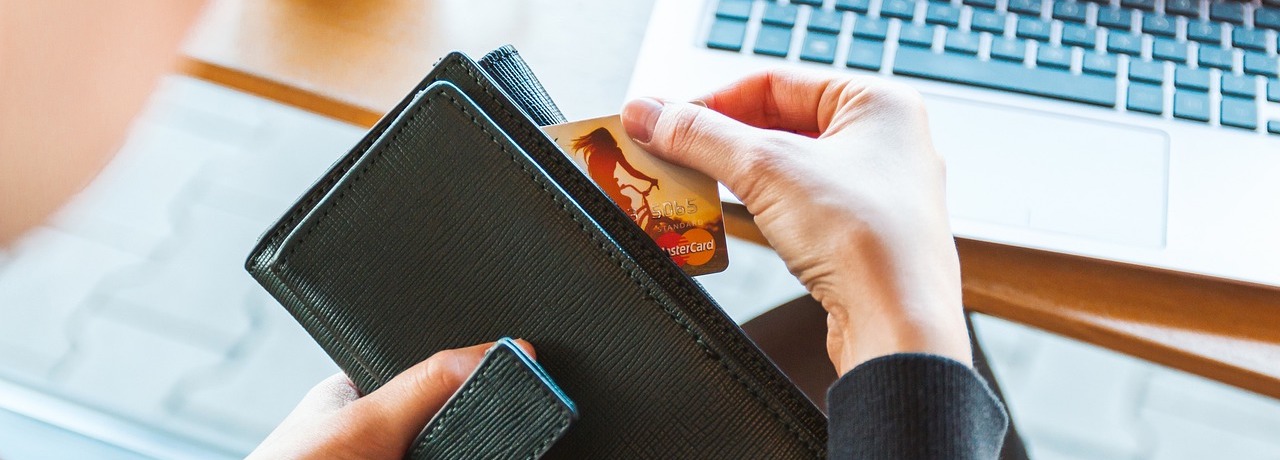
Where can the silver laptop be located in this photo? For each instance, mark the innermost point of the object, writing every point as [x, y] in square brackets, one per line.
[1141, 131]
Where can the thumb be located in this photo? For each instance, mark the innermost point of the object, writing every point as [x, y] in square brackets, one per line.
[703, 139]
[404, 405]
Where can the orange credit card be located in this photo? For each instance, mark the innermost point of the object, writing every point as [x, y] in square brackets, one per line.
[678, 207]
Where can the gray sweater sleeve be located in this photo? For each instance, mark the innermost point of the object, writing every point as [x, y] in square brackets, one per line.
[914, 406]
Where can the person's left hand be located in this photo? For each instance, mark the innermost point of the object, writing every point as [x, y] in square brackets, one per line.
[333, 422]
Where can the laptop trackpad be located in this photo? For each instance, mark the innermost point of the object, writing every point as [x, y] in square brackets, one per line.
[1051, 172]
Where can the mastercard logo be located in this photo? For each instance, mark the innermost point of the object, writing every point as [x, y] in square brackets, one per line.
[694, 247]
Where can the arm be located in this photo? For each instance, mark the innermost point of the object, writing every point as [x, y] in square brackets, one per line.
[857, 211]
[914, 406]
[72, 76]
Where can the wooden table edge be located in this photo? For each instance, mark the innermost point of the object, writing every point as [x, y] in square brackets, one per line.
[1081, 317]
[280, 92]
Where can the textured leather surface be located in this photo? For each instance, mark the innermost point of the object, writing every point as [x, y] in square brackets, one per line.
[505, 66]
[507, 409]
[456, 221]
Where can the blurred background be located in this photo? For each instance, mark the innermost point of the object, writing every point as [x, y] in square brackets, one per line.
[129, 329]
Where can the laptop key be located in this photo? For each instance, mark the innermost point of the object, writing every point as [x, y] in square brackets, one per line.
[1033, 28]
[1146, 71]
[857, 6]
[780, 14]
[1238, 85]
[1145, 98]
[1160, 25]
[727, 34]
[901, 9]
[1182, 7]
[1267, 18]
[1261, 64]
[1029, 7]
[1116, 18]
[942, 14]
[1221, 11]
[1169, 50]
[814, 3]
[959, 41]
[1239, 113]
[734, 9]
[988, 21]
[1273, 126]
[826, 21]
[1204, 32]
[1188, 78]
[1007, 76]
[1124, 43]
[1068, 10]
[1101, 64]
[988, 4]
[1251, 39]
[915, 35]
[1145, 5]
[819, 47]
[1008, 49]
[1054, 56]
[865, 54]
[869, 27]
[773, 41]
[1216, 57]
[1273, 90]
[1079, 35]
[1191, 105]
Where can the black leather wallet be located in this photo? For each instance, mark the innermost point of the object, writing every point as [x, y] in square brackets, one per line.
[455, 221]
[508, 409]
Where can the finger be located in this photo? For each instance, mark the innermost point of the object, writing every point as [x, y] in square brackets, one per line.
[408, 401]
[402, 406]
[329, 395]
[703, 139]
[779, 99]
[527, 348]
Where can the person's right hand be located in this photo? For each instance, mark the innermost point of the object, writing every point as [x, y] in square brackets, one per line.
[854, 204]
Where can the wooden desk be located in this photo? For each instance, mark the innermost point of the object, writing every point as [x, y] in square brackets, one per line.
[354, 59]
[1220, 329]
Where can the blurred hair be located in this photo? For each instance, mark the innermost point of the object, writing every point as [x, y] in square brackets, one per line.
[599, 139]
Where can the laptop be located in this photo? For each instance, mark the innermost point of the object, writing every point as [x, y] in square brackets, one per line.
[1138, 131]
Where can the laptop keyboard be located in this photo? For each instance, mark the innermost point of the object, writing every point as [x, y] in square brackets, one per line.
[1207, 62]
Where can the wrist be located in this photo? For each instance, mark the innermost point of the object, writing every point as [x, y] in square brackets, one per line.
[884, 337]
[879, 315]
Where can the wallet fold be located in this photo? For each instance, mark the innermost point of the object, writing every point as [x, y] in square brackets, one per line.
[507, 409]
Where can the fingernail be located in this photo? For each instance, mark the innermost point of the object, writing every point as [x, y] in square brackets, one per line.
[640, 116]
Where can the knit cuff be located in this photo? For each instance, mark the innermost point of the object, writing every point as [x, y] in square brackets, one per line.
[917, 406]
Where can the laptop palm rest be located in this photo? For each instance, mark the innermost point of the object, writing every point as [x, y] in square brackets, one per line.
[1054, 173]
